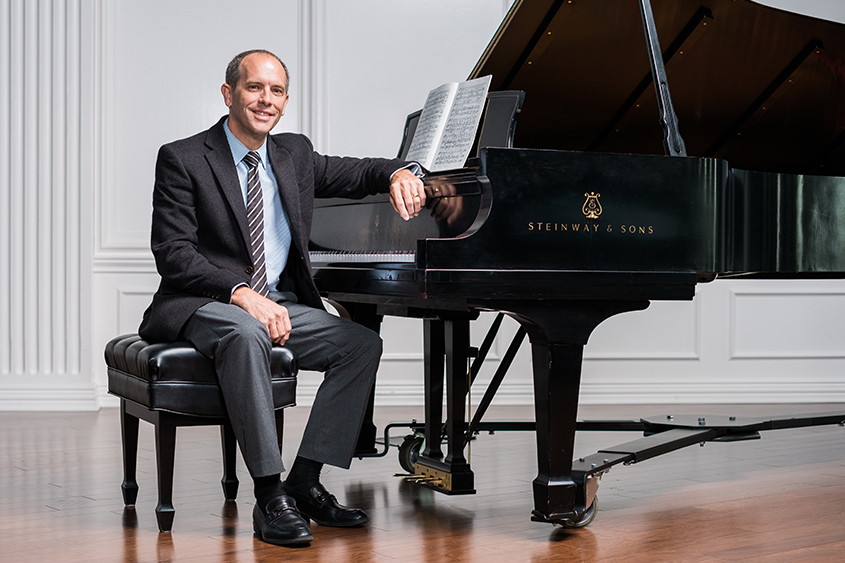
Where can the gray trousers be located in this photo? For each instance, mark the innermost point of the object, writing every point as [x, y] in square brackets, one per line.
[347, 353]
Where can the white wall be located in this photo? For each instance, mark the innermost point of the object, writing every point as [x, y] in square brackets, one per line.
[91, 89]
[833, 10]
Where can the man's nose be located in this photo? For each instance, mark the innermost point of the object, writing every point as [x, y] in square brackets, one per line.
[264, 95]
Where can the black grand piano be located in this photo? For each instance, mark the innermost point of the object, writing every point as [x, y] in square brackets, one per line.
[611, 193]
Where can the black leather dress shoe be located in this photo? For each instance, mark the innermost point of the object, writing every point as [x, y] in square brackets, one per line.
[281, 523]
[322, 507]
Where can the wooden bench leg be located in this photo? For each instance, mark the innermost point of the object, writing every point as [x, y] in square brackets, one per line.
[165, 457]
[230, 477]
[129, 440]
[280, 427]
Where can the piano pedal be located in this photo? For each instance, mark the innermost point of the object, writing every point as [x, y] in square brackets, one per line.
[419, 479]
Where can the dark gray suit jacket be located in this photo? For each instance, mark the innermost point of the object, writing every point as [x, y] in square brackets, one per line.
[199, 229]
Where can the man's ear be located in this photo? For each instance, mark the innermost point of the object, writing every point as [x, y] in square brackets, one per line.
[227, 94]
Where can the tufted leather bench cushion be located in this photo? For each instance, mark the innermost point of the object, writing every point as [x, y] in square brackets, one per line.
[175, 377]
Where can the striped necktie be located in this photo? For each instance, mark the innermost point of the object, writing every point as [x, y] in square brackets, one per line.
[255, 216]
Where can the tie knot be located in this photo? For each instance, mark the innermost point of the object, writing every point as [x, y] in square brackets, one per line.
[252, 159]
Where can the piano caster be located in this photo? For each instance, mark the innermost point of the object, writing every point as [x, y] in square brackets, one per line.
[577, 521]
[586, 518]
[409, 451]
[577, 516]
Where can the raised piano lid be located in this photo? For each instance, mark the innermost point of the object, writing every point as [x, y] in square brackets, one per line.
[759, 87]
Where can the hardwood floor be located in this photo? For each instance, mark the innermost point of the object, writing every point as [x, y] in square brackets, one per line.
[781, 498]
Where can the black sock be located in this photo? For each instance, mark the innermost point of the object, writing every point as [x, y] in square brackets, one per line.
[267, 488]
[304, 474]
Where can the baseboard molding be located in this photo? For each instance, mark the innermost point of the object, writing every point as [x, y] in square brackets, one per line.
[412, 394]
[719, 393]
[407, 394]
[107, 401]
[50, 399]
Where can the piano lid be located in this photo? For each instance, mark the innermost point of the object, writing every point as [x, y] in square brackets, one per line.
[759, 87]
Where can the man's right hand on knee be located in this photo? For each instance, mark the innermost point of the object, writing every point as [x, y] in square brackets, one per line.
[272, 315]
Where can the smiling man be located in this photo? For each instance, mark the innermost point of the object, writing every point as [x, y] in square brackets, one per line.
[231, 222]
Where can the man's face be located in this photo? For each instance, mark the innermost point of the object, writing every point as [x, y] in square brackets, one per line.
[258, 100]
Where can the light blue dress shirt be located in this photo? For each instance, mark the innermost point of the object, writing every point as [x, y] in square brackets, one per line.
[277, 237]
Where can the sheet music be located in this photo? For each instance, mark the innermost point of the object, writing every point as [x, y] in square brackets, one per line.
[431, 125]
[448, 123]
[461, 125]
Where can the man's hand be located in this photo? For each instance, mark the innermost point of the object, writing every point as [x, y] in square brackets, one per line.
[271, 314]
[407, 194]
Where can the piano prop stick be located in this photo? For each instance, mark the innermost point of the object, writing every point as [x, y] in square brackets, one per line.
[600, 209]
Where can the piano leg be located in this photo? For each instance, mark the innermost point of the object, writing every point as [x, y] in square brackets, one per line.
[434, 341]
[557, 375]
[558, 332]
[457, 388]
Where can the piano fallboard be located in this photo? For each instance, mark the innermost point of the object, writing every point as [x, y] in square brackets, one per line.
[564, 210]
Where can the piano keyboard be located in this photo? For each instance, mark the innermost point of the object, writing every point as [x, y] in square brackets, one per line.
[324, 256]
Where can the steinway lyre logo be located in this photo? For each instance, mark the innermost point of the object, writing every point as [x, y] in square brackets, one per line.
[592, 207]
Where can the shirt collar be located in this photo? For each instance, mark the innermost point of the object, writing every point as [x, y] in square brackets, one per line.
[239, 150]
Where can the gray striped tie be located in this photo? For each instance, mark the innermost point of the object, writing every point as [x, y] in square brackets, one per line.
[255, 215]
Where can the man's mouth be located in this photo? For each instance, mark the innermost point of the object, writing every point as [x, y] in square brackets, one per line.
[260, 113]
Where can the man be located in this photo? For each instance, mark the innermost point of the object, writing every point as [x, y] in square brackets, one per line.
[232, 213]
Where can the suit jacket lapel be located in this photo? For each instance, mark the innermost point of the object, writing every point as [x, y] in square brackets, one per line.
[280, 160]
[219, 157]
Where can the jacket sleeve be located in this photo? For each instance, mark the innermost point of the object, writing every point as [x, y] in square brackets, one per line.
[352, 177]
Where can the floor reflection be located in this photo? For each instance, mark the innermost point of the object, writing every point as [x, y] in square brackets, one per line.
[129, 521]
[229, 519]
[165, 550]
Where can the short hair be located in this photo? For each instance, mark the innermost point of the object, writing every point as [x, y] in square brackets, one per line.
[233, 70]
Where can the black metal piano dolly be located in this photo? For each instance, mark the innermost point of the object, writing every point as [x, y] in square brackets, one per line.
[667, 433]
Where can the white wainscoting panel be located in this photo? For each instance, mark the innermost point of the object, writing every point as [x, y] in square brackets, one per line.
[121, 298]
[788, 322]
[760, 341]
[669, 331]
[45, 158]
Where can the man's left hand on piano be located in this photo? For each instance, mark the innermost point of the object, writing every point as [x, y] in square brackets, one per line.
[407, 194]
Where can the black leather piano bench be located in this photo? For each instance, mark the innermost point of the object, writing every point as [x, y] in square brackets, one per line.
[171, 385]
